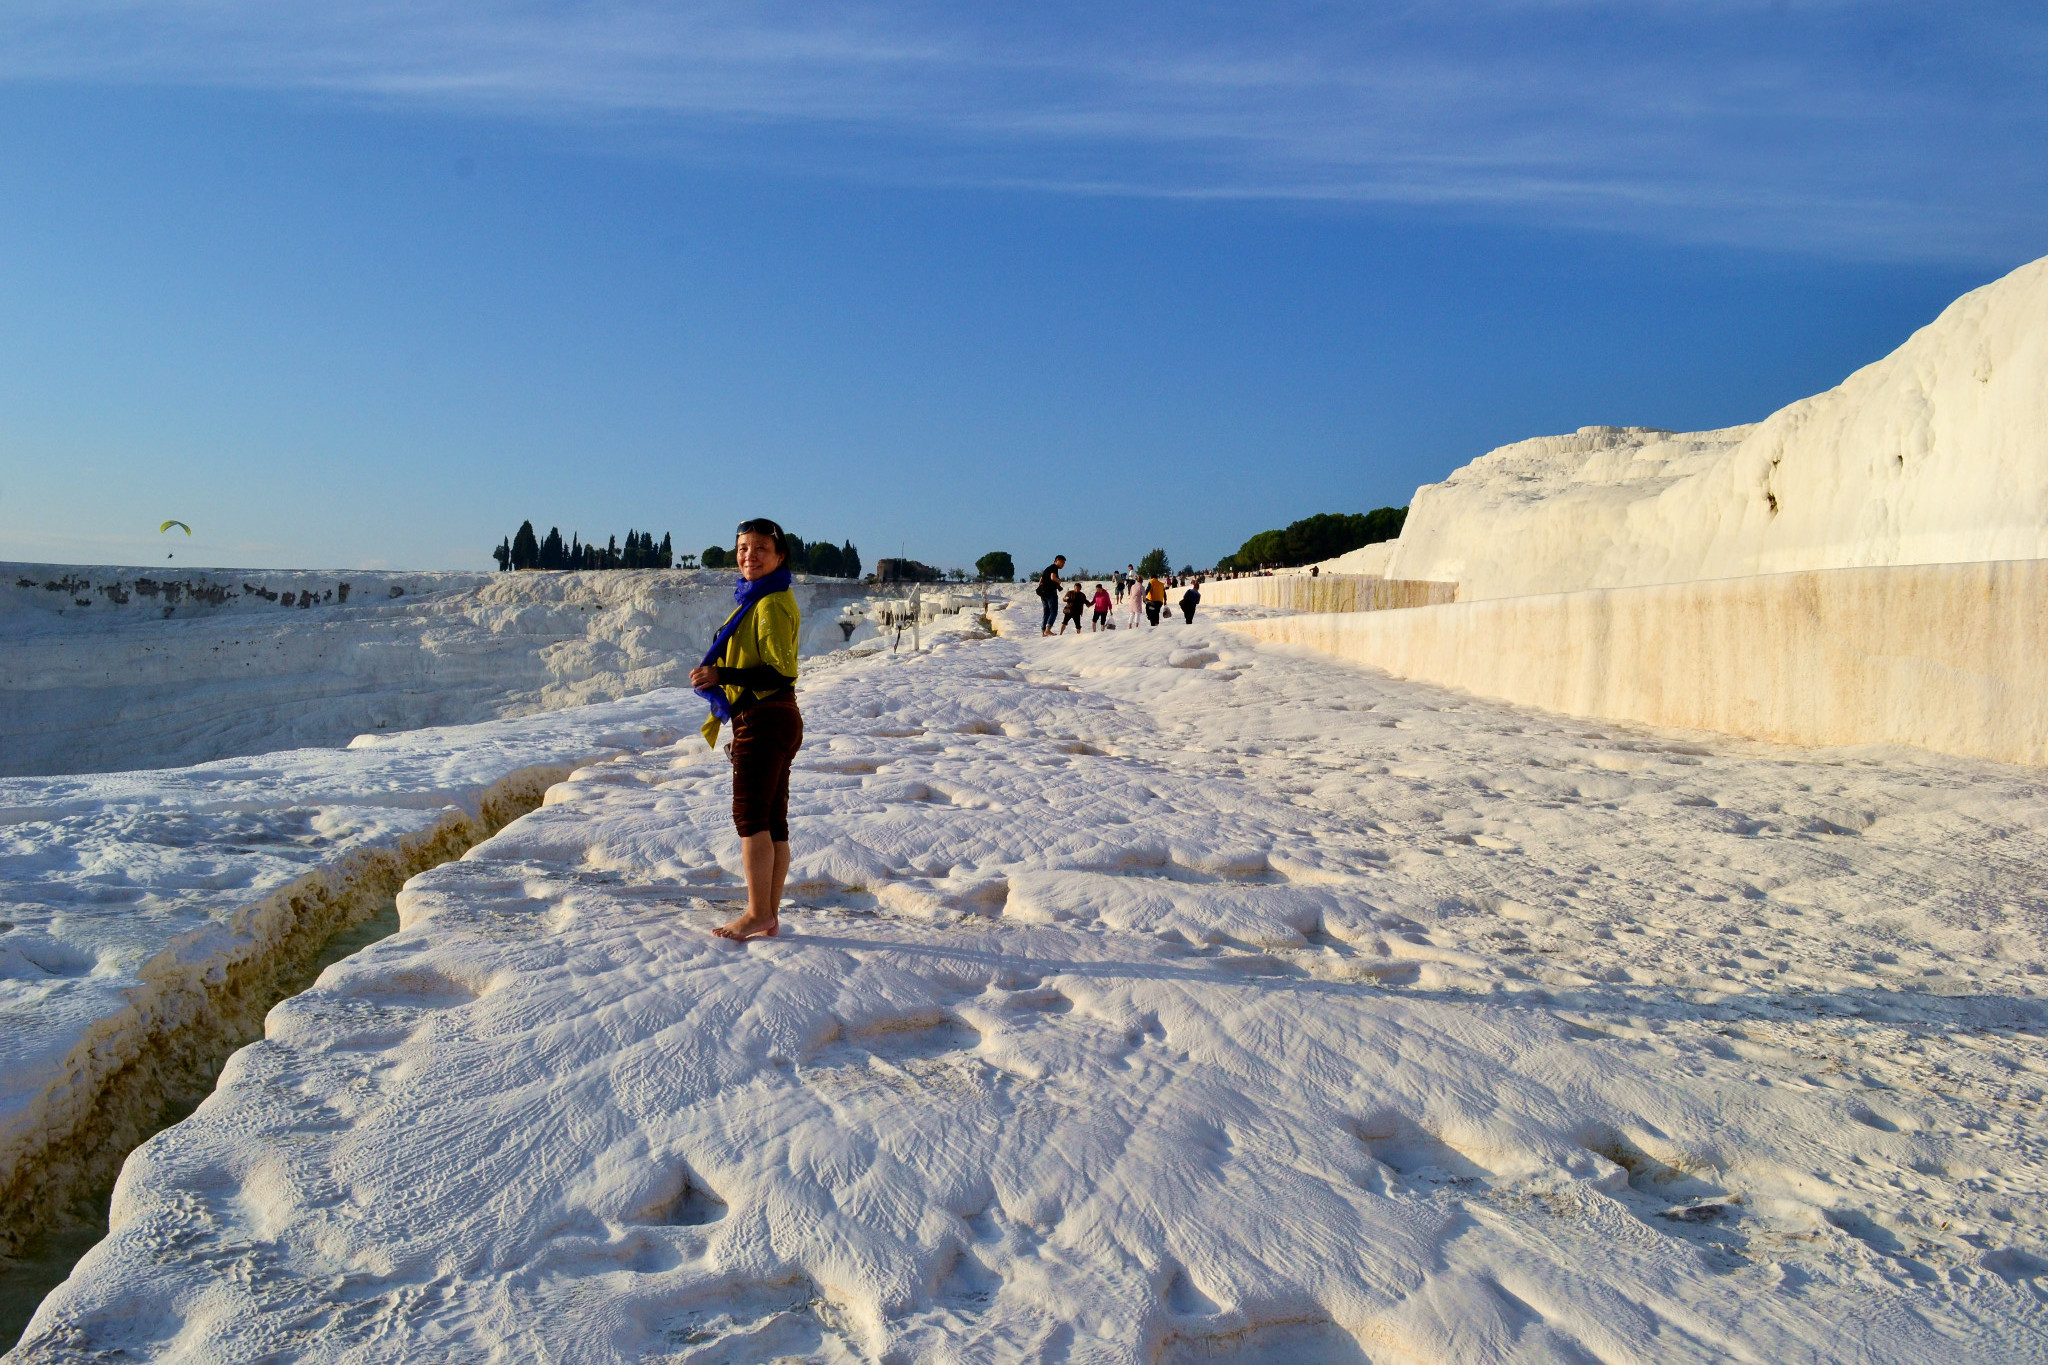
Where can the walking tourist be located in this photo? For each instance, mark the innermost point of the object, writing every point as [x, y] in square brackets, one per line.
[749, 678]
[1189, 600]
[1155, 600]
[1049, 592]
[1102, 605]
[1077, 602]
[1135, 601]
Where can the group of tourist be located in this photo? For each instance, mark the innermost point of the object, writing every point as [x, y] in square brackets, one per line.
[1137, 593]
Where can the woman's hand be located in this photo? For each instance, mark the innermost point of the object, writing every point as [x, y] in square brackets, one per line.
[704, 675]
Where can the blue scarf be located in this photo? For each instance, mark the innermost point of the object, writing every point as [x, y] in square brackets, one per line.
[747, 592]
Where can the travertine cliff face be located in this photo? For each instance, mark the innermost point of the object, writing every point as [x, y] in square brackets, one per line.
[1936, 454]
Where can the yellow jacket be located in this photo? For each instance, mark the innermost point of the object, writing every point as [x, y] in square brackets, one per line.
[767, 636]
[1155, 591]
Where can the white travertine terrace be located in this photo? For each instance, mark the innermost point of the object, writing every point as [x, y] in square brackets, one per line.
[1147, 997]
[104, 669]
[148, 918]
[1864, 566]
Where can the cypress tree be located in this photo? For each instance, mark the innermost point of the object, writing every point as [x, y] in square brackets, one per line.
[525, 549]
[849, 560]
[503, 554]
[666, 557]
[611, 552]
[552, 553]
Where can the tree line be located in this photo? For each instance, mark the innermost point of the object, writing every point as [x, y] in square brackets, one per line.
[1312, 539]
[523, 549]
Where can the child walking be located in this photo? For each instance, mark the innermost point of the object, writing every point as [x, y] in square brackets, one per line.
[1077, 602]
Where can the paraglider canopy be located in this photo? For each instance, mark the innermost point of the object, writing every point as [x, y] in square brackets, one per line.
[169, 524]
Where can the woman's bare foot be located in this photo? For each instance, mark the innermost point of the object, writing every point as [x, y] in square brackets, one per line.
[748, 926]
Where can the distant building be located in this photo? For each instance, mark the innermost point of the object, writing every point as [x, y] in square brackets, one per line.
[905, 571]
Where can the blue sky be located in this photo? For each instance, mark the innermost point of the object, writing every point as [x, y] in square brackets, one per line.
[364, 285]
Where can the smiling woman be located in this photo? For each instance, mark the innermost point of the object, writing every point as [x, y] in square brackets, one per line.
[749, 677]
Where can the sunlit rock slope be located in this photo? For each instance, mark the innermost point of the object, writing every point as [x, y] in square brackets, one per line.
[108, 669]
[1937, 453]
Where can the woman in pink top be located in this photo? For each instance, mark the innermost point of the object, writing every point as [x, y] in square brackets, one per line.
[1102, 605]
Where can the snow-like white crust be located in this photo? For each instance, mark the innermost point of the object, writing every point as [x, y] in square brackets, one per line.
[104, 669]
[1150, 995]
[147, 913]
[1936, 454]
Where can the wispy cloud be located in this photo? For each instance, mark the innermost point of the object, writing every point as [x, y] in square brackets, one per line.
[1877, 129]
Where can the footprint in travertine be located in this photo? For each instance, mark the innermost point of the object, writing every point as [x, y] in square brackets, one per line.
[1212, 910]
[2014, 1264]
[1280, 1343]
[1419, 1156]
[1185, 1299]
[842, 766]
[684, 1201]
[968, 1284]
[1871, 1233]
[751, 1322]
[1883, 1118]
[418, 988]
[918, 1040]
[918, 1054]
[1678, 1198]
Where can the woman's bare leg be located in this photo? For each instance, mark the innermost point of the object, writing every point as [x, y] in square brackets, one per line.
[767, 867]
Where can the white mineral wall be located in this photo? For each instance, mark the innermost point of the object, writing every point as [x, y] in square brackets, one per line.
[1937, 453]
[1950, 657]
[1366, 559]
[1324, 592]
[110, 669]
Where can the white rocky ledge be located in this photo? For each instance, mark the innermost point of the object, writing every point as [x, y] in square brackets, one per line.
[1264, 1005]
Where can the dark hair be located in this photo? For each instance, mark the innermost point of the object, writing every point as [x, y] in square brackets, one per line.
[762, 526]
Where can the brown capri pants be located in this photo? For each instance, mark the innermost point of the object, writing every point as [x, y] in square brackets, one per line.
[765, 738]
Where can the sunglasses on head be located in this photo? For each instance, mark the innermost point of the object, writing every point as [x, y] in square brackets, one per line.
[759, 526]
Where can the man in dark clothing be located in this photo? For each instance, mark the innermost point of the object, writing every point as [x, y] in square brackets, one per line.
[1049, 593]
[1189, 600]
